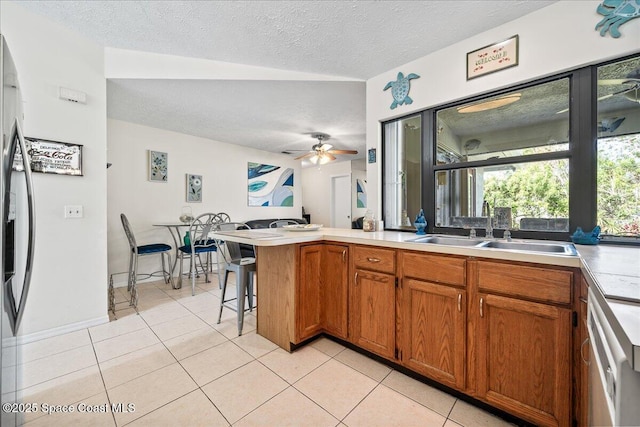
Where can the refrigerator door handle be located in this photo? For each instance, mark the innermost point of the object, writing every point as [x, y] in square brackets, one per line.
[32, 226]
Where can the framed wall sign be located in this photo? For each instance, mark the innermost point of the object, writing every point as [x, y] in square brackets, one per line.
[47, 156]
[492, 58]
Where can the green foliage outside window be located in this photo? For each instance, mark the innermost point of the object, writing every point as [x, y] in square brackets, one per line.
[619, 185]
[533, 190]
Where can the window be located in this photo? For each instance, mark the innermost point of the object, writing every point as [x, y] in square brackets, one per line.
[544, 157]
[508, 152]
[402, 172]
[618, 150]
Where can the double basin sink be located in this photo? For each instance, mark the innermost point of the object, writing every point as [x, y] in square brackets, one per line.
[551, 248]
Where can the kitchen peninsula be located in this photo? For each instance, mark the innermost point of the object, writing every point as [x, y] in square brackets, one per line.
[502, 326]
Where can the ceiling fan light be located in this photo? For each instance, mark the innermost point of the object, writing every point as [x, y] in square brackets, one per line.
[323, 160]
[490, 104]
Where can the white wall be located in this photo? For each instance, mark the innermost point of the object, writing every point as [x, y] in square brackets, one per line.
[69, 283]
[556, 38]
[358, 171]
[316, 190]
[224, 173]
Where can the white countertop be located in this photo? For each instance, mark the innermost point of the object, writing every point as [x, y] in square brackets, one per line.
[613, 270]
[390, 239]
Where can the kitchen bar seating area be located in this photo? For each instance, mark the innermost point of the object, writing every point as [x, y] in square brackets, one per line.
[441, 230]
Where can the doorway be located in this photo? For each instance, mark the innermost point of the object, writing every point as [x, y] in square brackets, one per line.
[341, 201]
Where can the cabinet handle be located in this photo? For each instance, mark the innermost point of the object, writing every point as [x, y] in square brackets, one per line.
[356, 278]
[460, 302]
[344, 255]
[481, 304]
[373, 259]
[586, 362]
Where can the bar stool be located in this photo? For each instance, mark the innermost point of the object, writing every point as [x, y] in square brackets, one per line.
[244, 268]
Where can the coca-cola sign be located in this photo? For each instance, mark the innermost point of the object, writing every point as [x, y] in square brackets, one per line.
[51, 157]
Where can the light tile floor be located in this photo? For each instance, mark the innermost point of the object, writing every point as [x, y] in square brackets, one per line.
[173, 365]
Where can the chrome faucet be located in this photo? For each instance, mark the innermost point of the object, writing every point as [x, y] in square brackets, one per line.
[486, 210]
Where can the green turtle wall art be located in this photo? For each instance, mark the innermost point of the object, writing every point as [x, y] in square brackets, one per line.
[400, 89]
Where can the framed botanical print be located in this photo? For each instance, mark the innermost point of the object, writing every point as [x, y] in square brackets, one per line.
[194, 188]
[158, 166]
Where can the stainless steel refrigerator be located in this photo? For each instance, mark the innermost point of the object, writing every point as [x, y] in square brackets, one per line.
[17, 234]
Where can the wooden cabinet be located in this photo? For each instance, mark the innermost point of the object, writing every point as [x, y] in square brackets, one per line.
[499, 331]
[524, 347]
[322, 288]
[433, 312]
[372, 314]
[308, 300]
[335, 289]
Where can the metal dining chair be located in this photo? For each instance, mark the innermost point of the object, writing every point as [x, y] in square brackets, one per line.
[136, 251]
[244, 269]
[200, 244]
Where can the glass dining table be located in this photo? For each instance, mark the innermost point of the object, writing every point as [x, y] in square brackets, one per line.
[174, 230]
[176, 234]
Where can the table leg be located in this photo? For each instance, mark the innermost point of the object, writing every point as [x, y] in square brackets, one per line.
[241, 290]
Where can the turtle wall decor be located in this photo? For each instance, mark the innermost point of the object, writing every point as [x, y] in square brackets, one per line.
[400, 89]
[616, 13]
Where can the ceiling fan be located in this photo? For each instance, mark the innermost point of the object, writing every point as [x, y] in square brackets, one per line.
[630, 84]
[322, 153]
[630, 87]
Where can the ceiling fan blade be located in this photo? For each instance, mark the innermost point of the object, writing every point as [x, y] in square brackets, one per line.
[305, 155]
[611, 82]
[330, 156]
[343, 152]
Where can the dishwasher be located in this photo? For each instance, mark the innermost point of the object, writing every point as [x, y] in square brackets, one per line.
[614, 387]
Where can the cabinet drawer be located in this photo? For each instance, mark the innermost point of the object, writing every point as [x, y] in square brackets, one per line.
[434, 268]
[533, 283]
[375, 259]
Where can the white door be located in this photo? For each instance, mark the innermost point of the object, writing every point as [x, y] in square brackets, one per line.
[341, 201]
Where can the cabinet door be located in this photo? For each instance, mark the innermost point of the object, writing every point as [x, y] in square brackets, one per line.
[434, 331]
[308, 307]
[372, 312]
[524, 358]
[334, 292]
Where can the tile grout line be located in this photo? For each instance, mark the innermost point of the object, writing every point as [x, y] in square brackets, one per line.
[104, 384]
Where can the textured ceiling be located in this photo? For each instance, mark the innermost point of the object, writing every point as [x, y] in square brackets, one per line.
[357, 39]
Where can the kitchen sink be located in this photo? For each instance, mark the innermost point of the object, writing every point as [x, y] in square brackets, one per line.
[443, 240]
[554, 248]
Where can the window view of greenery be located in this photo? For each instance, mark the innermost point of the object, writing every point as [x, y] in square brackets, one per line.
[618, 144]
[537, 193]
[525, 196]
[619, 185]
[512, 153]
[532, 125]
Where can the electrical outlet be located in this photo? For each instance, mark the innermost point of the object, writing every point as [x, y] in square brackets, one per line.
[73, 211]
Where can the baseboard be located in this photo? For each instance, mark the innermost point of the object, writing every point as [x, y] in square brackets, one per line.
[60, 330]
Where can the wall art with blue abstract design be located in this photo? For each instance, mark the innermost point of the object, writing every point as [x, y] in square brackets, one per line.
[361, 194]
[270, 185]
